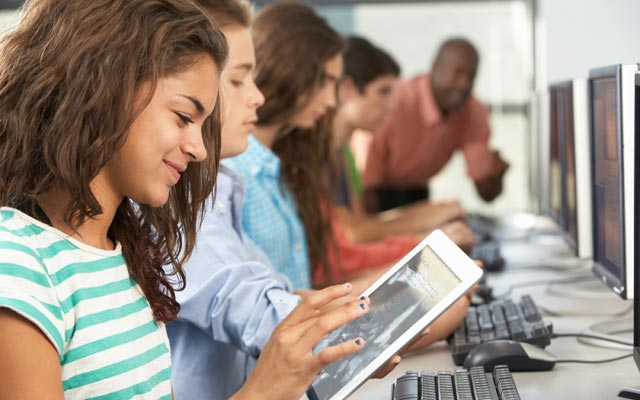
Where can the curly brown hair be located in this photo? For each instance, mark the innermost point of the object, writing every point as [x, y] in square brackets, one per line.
[69, 74]
[293, 45]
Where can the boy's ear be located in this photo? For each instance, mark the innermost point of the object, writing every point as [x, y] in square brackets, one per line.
[347, 89]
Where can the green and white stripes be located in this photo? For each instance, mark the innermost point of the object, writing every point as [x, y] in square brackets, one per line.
[92, 311]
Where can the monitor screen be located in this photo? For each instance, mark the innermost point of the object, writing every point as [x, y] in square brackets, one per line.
[613, 157]
[636, 213]
[571, 179]
[563, 162]
[568, 163]
[557, 120]
[539, 152]
[607, 175]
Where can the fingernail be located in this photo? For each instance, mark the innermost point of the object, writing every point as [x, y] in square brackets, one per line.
[362, 298]
[347, 285]
[358, 341]
[363, 306]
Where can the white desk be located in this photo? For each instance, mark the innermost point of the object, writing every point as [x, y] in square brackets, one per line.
[565, 381]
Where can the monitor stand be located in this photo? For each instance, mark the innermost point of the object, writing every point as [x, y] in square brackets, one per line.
[629, 393]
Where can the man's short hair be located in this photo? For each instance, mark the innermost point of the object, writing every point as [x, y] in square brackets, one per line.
[457, 44]
[364, 62]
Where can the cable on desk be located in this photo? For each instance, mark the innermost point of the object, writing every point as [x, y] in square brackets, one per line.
[553, 313]
[540, 282]
[515, 266]
[584, 335]
[595, 361]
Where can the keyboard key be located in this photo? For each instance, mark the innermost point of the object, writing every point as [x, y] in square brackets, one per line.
[488, 251]
[481, 386]
[428, 386]
[407, 387]
[475, 384]
[484, 319]
[462, 385]
[445, 386]
[529, 309]
[497, 314]
[506, 385]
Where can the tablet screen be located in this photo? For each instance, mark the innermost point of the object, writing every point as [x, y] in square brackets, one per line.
[395, 306]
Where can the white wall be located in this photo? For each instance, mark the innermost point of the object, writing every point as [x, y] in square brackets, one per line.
[413, 32]
[577, 35]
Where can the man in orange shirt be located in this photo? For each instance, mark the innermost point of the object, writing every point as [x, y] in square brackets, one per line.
[432, 116]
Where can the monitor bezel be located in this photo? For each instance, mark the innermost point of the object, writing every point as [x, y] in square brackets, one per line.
[560, 219]
[581, 244]
[542, 155]
[581, 147]
[636, 299]
[621, 280]
[556, 216]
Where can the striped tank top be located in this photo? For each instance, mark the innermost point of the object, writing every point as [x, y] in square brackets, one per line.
[86, 303]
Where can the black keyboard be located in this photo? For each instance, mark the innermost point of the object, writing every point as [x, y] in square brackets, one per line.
[482, 226]
[489, 253]
[461, 384]
[484, 292]
[500, 319]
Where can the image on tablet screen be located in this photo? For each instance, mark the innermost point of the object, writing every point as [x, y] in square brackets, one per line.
[395, 306]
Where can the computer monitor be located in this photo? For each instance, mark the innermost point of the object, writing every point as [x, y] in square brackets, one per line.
[570, 166]
[539, 152]
[612, 105]
[636, 300]
[532, 157]
[556, 119]
[634, 393]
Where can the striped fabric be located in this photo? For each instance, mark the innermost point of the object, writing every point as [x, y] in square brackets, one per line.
[92, 311]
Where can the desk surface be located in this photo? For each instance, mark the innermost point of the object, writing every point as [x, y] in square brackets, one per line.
[576, 305]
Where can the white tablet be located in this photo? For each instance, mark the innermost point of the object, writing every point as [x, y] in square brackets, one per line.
[404, 301]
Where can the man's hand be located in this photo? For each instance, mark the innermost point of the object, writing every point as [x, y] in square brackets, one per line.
[460, 233]
[287, 364]
[491, 186]
[499, 165]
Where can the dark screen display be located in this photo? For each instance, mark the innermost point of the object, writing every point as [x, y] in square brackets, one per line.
[569, 202]
[555, 165]
[636, 297]
[607, 164]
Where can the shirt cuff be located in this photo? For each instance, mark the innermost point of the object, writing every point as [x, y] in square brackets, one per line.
[283, 302]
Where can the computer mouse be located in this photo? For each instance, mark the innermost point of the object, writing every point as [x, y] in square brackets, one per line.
[518, 356]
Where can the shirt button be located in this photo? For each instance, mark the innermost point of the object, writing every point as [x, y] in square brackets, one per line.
[297, 246]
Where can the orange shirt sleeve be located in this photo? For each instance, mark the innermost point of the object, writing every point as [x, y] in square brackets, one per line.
[351, 257]
[475, 144]
[378, 159]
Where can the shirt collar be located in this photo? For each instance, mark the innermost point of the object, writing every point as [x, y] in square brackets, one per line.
[230, 195]
[263, 160]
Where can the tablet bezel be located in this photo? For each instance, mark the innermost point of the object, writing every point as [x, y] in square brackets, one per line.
[458, 262]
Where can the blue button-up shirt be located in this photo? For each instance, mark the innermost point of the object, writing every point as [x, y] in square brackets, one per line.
[270, 216]
[232, 302]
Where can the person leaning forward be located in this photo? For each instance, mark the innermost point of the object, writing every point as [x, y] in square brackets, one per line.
[432, 115]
